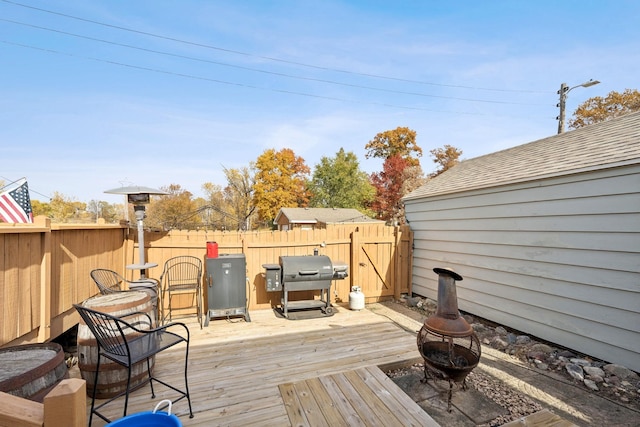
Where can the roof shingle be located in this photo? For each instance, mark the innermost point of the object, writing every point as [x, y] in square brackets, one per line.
[326, 215]
[612, 143]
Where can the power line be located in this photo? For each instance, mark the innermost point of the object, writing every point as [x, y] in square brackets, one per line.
[244, 85]
[31, 190]
[269, 58]
[263, 71]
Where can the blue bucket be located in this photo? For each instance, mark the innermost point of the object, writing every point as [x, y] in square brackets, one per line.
[153, 418]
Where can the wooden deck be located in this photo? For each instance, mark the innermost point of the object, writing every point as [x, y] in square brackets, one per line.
[239, 371]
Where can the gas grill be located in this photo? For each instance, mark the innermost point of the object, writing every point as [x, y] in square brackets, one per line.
[304, 273]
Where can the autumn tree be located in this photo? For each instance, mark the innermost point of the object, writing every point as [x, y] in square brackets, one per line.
[216, 212]
[280, 182]
[175, 210]
[64, 209]
[40, 208]
[101, 209]
[398, 142]
[398, 178]
[239, 194]
[338, 182]
[446, 157]
[231, 207]
[599, 109]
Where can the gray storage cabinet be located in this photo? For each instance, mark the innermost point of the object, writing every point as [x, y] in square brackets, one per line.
[226, 286]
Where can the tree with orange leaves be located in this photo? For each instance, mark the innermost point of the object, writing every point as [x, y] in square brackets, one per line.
[280, 182]
[599, 109]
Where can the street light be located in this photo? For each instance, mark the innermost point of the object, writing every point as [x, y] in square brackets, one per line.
[564, 90]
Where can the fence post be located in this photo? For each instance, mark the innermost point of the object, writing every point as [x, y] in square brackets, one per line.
[44, 331]
[66, 404]
[355, 259]
[397, 258]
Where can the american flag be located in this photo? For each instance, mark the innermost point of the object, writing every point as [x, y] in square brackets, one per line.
[15, 204]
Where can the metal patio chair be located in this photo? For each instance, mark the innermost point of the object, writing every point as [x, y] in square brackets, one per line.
[129, 343]
[182, 275]
[108, 282]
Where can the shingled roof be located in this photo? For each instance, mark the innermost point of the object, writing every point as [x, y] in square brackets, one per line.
[322, 215]
[604, 145]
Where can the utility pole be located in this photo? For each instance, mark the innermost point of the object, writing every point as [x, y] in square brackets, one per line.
[564, 90]
[562, 104]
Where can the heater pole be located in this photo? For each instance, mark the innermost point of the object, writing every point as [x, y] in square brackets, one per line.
[139, 210]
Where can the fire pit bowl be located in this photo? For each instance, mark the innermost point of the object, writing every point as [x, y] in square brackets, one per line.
[454, 365]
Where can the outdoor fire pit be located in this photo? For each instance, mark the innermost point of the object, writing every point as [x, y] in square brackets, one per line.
[447, 343]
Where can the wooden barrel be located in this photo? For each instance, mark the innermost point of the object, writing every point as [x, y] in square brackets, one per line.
[112, 377]
[149, 286]
[33, 370]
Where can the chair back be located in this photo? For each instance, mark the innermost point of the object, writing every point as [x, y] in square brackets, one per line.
[108, 281]
[108, 330]
[182, 272]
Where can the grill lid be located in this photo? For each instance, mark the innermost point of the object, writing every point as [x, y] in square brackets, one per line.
[306, 268]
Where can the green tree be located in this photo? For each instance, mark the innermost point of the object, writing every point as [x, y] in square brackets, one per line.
[397, 142]
[338, 182]
[598, 109]
[446, 157]
[280, 182]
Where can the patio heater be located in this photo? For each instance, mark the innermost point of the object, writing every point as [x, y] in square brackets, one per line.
[139, 197]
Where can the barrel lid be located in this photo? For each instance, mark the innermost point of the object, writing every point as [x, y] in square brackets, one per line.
[117, 300]
[19, 360]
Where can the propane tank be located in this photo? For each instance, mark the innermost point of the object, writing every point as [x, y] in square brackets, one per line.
[356, 298]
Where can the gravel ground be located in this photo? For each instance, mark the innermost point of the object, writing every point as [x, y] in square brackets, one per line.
[517, 404]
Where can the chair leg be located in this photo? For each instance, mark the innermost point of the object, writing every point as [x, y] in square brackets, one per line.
[160, 307]
[126, 395]
[200, 306]
[95, 389]
[153, 394]
[186, 380]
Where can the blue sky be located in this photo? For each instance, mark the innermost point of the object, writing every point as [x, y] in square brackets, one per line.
[99, 94]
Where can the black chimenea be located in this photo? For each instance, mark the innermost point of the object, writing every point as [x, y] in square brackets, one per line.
[446, 341]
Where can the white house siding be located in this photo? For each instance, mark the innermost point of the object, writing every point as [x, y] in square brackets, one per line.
[557, 258]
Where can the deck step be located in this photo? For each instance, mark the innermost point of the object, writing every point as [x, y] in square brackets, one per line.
[360, 397]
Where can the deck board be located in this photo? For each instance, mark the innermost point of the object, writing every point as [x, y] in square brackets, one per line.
[356, 397]
[236, 369]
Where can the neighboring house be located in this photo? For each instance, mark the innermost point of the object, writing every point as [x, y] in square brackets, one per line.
[546, 236]
[311, 218]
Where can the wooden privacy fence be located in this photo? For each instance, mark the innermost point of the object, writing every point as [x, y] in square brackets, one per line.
[44, 267]
[378, 256]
